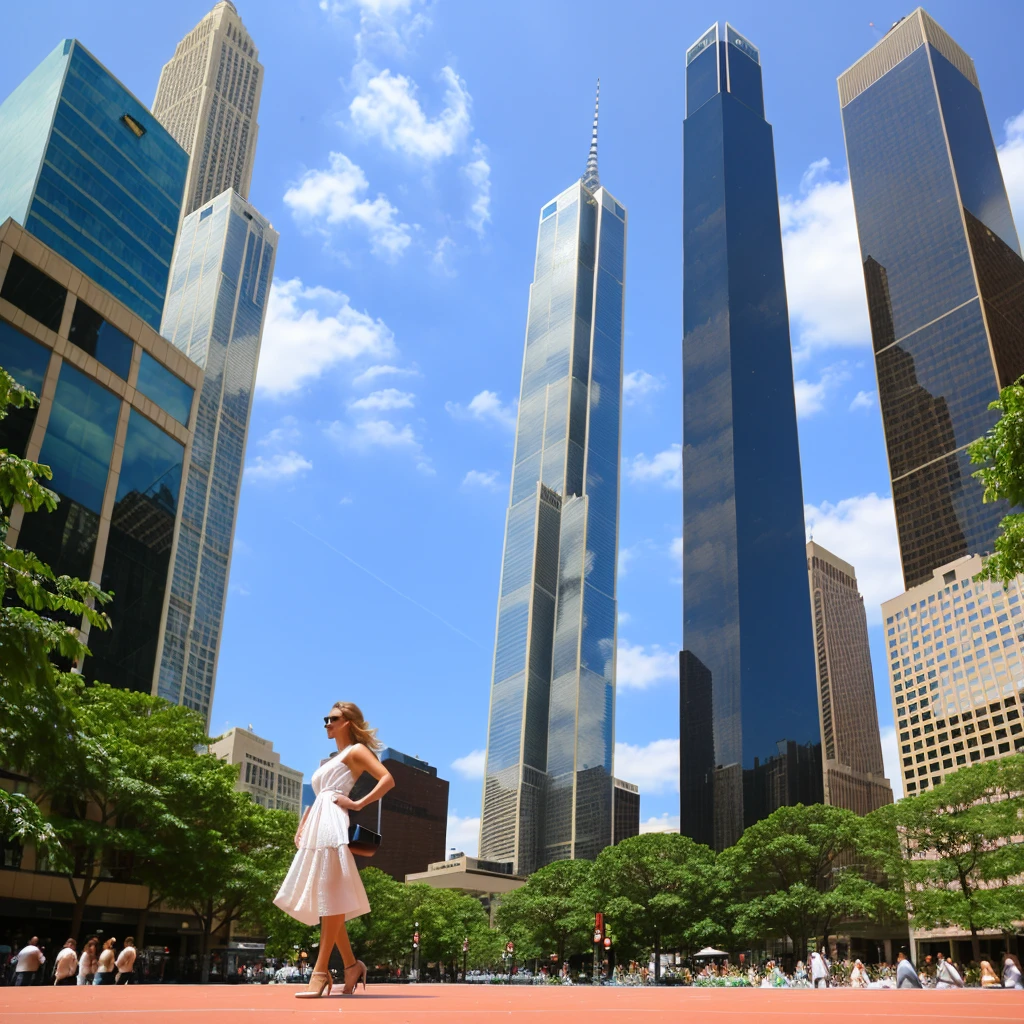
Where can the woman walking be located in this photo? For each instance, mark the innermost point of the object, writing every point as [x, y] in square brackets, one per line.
[87, 962]
[323, 883]
[105, 971]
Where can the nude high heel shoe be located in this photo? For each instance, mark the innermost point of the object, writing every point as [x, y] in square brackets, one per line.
[360, 976]
[326, 982]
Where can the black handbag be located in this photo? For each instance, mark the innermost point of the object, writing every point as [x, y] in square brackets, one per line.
[364, 841]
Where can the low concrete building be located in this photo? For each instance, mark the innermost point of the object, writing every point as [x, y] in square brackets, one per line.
[487, 880]
[260, 772]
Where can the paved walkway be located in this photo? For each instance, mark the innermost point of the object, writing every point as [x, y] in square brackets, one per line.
[470, 1004]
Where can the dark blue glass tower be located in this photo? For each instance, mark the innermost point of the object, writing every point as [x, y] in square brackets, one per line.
[944, 278]
[749, 731]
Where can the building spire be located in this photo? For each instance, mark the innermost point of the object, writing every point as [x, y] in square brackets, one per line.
[590, 178]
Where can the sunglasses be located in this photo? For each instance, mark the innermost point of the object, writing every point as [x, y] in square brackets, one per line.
[328, 719]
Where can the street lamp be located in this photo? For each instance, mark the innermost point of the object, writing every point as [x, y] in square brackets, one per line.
[598, 936]
[465, 955]
[416, 953]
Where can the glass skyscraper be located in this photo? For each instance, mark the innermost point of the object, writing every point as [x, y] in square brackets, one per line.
[114, 424]
[944, 279]
[216, 306]
[750, 737]
[89, 171]
[548, 778]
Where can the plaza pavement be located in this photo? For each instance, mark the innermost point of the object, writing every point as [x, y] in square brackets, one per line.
[469, 1004]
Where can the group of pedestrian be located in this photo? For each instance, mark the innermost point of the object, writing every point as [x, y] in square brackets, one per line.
[944, 974]
[95, 966]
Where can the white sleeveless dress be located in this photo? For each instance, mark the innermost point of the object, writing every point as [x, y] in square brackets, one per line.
[323, 879]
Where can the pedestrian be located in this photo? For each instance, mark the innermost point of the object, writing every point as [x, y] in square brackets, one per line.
[66, 964]
[323, 884]
[946, 975]
[989, 978]
[819, 972]
[858, 975]
[906, 976]
[30, 959]
[125, 963]
[1012, 972]
[106, 966]
[88, 961]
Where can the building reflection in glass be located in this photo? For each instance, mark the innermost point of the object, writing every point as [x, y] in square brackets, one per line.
[749, 718]
[944, 280]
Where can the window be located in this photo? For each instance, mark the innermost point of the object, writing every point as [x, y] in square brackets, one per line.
[171, 393]
[133, 126]
[26, 361]
[91, 333]
[206, 213]
[548, 210]
[34, 293]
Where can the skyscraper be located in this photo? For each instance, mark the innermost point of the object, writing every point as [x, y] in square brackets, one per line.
[956, 668]
[854, 775]
[114, 423]
[747, 670]
[216, 307]
[944, 279]
[548, 778]
[90, 172]
[208, 98]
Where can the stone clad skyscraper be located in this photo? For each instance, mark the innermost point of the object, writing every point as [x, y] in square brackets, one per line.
[944, 279]
[548, 778]
[854, 776]
[750, 739]
[208, 98]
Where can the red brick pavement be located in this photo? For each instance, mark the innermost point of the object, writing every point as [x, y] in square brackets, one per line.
[469, 1004]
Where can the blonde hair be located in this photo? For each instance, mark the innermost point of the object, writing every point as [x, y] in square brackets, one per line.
[360, 731]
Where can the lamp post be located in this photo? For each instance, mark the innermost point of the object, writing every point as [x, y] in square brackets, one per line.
[465, 955]
[598, 937]
[416, 953]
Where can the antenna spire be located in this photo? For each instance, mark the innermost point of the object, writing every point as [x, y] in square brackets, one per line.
[591, 179]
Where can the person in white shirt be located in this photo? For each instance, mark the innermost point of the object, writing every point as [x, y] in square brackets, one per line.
[30, 959]
[906, 976]
[66, 965]
[126, 963]
[946, 975]
[88, 961]
[819, 971]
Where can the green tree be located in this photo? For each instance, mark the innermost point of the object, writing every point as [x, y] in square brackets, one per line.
[661, 890]
[954, 852]
[39, 611]
[447, 918]
[553, 912]
[383, 938]
[795, 874]
[1001, 454]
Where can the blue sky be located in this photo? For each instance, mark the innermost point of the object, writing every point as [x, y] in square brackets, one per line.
[405, 148]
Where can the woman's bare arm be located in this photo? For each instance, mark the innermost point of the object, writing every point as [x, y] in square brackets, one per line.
[362, 760]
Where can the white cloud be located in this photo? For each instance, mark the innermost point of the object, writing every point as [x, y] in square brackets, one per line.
[285, 466]
[626, 555]
[638, 384]
[463, 834]
[891, 761]
[654, 767]
[439, 257]
[637, 668]
[371, 373]
[811, 396]
[665, 468]
[675, 549]
[862, 531]
[478, 171]
[382, 401]
[472, 765]
[666, 823]
[387, 108]
[1011, 158]
[485, 407]
[388, 25]
[336, 197]
[623, 618]
[863, 400]
[287, 433]
[368, 436]
[310, 330]
[485, 481]
[824, 278]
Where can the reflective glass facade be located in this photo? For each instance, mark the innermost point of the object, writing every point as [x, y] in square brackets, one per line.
[747, 670]
[944, 280]
[216, 305]
[117, 457]
[91, 173]
[548, 779]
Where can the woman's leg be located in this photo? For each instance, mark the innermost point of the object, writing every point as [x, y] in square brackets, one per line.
[328, 936]
[342, 942]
